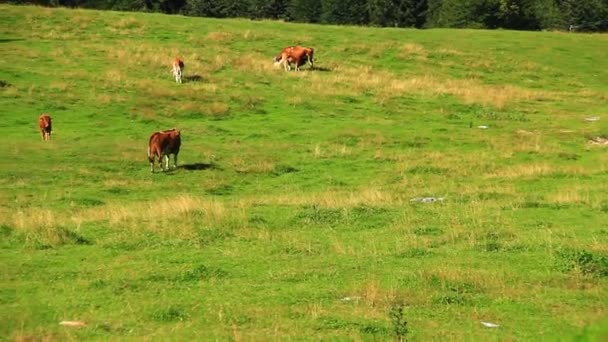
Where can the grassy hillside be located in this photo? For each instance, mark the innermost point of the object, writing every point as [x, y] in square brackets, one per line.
[292, 215]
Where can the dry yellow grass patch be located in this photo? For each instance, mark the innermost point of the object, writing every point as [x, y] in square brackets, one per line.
[145, 111]
[356, 80]
[245, 166]
[158, 215]
[469, 90]
[159, 58]
[81, 21]
[576, 195]
[331, 150]
[104, 98]
[373, 294]
[587, 96]
[255, 63]
[481, 63]
[126, 26]
[219, 36]
[412, 49]
[219, 108]
[523, 170]
[447, 51]
[568, 196]
[115, 76]
[451, 277]
[62, 86]
[368, 196]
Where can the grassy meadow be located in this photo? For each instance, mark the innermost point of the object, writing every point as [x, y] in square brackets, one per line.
[293, 213]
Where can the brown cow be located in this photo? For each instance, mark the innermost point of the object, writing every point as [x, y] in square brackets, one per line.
[178, 69]
[297, 55]
[45, 125]
[161, 145]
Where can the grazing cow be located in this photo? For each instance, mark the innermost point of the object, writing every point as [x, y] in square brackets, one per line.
[45, 125]
[178, 69]
[297, 55]
[161, 145]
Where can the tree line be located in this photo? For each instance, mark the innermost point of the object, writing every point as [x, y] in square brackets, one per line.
[578, 15]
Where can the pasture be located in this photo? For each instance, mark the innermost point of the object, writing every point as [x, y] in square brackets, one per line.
[293, 213]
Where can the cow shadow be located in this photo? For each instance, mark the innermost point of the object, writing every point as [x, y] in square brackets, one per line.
[8, 40]
[199, 166]
[193, 78]
[321, 69]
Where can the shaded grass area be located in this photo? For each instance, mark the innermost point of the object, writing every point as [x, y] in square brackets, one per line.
[291, 214]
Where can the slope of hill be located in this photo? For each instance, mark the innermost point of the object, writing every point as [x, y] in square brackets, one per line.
[296, 212]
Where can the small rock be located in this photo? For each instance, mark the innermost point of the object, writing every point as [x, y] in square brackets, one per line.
[427, 199]
[483, 127]
[348, 299]
[489, 325]
[592, 118]
[598, 141]
[73, 323]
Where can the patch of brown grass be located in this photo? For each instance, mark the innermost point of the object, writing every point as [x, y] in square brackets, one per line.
[126, 26]
[369, 196]
[219, 36]
[115, 76]
[62, 86]
[412, 50]
[354, 81]
[523, 171]
[452, 52]
[219, 108]
[469, 90]
[254, 63]
[248, 166]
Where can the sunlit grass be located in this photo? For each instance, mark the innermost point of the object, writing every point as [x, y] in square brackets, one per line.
[303, 206]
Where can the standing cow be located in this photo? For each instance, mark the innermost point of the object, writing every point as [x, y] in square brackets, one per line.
[178, 69]
[161, 145]
[45, 125]
[297, 55]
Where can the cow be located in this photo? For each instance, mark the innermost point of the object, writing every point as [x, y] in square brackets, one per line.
[45, 125]
[161, 145]
[297, 55]
[178, 69]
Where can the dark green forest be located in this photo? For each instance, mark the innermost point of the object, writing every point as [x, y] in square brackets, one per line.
[574, 15]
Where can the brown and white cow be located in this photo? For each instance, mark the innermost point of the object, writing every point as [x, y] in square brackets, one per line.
[297, 55]
[161, 145]
[45, 125]
[178, 69]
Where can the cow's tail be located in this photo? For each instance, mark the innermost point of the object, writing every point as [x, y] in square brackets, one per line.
[311, 58]
[150, 156]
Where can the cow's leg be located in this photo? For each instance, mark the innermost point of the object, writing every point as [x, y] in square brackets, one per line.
[285, 61]
[151, 160]
[175, 161]
[166, 159]
[43, 135]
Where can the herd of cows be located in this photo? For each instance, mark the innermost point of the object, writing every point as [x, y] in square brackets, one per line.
[164, 143]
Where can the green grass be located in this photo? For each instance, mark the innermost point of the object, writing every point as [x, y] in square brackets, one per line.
[292, 216]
